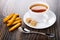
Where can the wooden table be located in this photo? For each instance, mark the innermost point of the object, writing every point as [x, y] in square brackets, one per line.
[16, 35]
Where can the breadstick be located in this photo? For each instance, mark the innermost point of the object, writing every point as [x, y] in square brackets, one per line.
[14, 27]
[8, 24]
[18, 18]
[11, 20]
[17, 15]
[8, 17]
[17, 21]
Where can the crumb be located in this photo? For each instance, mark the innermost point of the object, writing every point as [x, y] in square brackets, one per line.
[28, 20]
[33, 23]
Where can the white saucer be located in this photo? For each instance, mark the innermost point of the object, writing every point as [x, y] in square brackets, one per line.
[42, 25]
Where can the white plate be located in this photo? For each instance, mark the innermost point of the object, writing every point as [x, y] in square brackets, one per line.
[42, 25]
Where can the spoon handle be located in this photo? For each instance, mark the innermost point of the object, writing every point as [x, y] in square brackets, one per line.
[51, 35]
[38, 32]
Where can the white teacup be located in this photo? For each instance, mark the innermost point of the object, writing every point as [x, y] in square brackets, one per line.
[37, 14]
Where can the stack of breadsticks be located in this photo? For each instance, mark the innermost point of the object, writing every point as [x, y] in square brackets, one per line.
[13, 21]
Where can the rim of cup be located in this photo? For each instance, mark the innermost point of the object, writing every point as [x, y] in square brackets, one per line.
[38, 3]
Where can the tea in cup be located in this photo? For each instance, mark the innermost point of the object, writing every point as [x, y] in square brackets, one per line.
[38, 11]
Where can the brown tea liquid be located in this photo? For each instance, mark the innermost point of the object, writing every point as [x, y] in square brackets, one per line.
[38, 8]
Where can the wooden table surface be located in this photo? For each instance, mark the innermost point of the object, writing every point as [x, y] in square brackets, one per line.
[17, 35]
